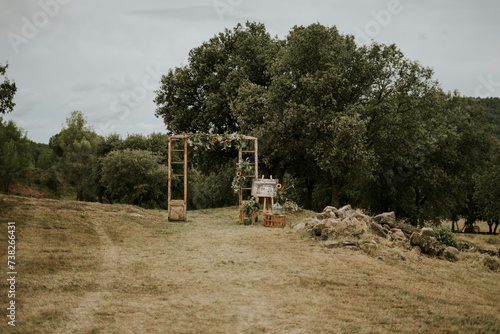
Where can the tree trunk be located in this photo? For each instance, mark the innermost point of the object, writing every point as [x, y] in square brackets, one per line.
[309, 188]
[497, 222]
[335, 194]
[490, 225]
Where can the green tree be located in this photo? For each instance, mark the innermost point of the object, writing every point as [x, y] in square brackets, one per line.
[197, 97]
[14, 153]
[134, 177]
[7, 91]
[487, 192]
[76, 146]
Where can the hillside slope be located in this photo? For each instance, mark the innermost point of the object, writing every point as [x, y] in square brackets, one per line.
[89, 267]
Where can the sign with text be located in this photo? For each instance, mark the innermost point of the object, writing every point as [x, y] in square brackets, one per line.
[264, 187]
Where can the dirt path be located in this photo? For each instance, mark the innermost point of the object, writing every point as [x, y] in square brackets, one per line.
[83, 317]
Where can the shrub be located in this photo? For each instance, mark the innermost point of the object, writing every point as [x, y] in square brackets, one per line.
[446, 237]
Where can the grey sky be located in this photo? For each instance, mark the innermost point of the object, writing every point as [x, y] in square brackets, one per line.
[105, 58]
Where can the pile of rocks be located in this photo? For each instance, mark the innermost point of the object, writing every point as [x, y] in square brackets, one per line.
[357, 230]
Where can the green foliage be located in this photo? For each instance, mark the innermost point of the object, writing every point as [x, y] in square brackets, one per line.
[134, 177]
[52, 181]
[212, 189]
[14, 153]
[197, 97]
[7, 91]
[446, 237]
[250, 206]
[244, 170]
[76, 146]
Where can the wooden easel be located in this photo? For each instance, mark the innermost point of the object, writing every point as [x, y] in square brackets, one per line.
[265, 205]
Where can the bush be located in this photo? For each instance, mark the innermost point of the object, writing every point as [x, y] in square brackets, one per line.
[135, 177]
[446, 237]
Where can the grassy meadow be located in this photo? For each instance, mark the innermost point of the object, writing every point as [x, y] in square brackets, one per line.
[95, 268]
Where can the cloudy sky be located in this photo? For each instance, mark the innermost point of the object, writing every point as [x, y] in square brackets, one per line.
[105, 58]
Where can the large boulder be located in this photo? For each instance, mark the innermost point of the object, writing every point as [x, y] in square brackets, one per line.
[387, 218]
[428, 244]
[451, 254]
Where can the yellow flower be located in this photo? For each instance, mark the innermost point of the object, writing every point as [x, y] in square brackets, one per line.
[227, 141]
[278, 186]
[238, 174]
[215, 138]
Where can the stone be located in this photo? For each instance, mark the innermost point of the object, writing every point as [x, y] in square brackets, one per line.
[388, 218]
[407, 229]
[328, 232]
[427, 231]
[298, 227]
[488, 251]
[331, 244]
[377, 229]
[417, 252]
[369, 246]
[450, 254]
[344, 212]
[397, 235]
[467, 247]
[429, 245]
[348, 243]
[318, 228]
[491, 263]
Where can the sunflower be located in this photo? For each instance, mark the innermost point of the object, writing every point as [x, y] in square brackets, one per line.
[215, 138]
[238, 174]
[278, 186]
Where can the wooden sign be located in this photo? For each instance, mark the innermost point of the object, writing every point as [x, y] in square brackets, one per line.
[264, 187]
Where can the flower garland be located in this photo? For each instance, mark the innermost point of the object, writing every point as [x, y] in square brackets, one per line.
[208, 141]
[243, 170]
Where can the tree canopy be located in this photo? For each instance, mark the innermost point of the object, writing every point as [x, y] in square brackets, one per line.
[365, 122]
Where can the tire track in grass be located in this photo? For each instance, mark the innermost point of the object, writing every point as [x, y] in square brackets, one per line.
[84, 315]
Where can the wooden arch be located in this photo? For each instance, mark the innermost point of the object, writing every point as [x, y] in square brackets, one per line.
[177, 208]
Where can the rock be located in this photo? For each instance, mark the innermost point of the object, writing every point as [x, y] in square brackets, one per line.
[388, 218]
[350, 243]
[491, 263]
[417, 252]
[467, 247]
[427, 231]
[377, 229]
[298, 227]
[451, 254]
[361, 216]
[407, 229]
[369, 246]
[344, 212]
[397, 235]
[312, 223]
[291, 206]
[328, 232]
[328, 212]
[318, 228]
[331, 244]
[429, 245]
[381, 258]
[488, 251]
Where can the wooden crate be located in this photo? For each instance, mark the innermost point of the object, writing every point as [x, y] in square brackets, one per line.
[271, 220]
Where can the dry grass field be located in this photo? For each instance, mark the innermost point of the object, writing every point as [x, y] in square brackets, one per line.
[94, 268]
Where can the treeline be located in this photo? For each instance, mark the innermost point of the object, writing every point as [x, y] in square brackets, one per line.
[337, 123]
[343, 123]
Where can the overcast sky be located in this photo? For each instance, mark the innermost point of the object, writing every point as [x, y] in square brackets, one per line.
[105, 58]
